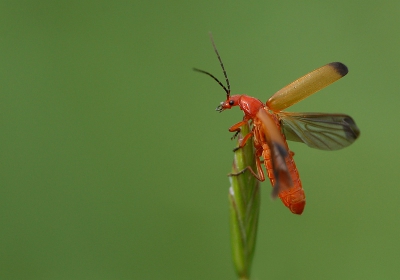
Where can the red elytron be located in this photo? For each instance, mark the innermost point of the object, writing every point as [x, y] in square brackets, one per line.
[271, 127]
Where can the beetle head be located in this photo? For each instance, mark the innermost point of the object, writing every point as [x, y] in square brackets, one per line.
[229, 103]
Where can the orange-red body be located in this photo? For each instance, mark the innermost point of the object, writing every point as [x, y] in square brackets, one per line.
[293, 198]
[264, 121]
[271, 127]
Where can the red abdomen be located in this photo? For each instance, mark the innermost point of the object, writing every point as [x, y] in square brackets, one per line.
[293, 198]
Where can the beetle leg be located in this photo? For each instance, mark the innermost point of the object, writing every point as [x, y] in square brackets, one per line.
[236, 134]
[243, 141]
[236, 126]
[260, 174]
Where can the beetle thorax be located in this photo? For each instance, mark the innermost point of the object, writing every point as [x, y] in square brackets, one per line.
[250, 105]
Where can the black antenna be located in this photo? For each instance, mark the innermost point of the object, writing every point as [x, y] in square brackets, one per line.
[227, 90]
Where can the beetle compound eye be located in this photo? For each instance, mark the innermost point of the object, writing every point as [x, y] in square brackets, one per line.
[231, 102]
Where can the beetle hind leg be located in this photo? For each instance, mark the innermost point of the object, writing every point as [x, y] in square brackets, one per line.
[259, 175]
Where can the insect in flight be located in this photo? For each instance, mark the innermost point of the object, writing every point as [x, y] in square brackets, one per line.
[271, 127]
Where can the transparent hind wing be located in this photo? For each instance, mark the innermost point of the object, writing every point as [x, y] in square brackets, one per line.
[319, 130]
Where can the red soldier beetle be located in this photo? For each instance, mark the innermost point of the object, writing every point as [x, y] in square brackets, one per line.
[271, 127]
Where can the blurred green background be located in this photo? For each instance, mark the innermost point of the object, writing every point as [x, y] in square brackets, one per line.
[114, 161]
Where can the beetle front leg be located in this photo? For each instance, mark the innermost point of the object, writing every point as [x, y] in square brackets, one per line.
[236, 128]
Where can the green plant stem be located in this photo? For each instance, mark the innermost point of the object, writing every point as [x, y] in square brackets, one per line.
[244, 198]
